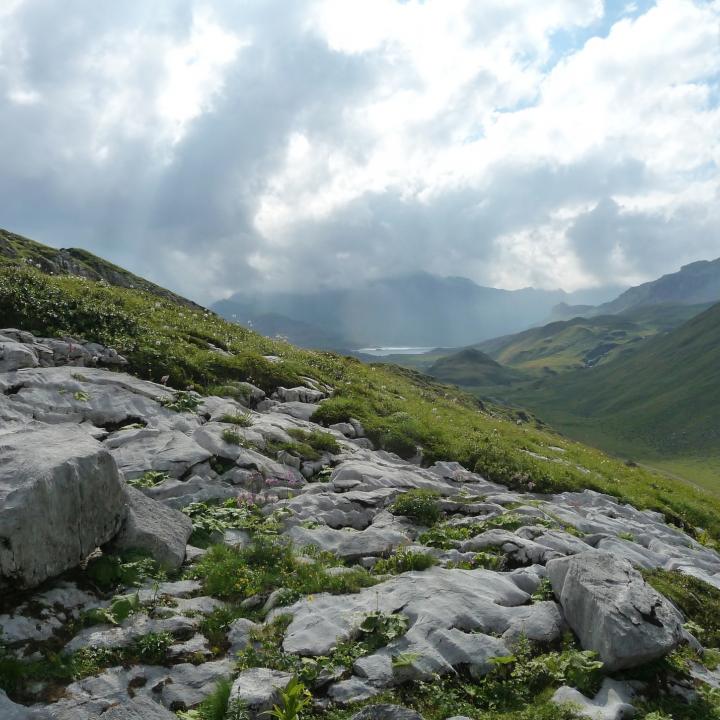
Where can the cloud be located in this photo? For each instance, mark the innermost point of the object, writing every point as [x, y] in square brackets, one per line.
[217, 146]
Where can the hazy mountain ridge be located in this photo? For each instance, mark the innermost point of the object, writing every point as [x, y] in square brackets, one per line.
[694, 284]
[416, 310]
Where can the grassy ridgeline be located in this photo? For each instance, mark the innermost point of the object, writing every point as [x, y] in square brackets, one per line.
[400, 409]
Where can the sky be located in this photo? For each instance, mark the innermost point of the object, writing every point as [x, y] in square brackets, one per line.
[267, 145]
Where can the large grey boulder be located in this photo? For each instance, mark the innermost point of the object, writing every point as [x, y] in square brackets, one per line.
[162, 450]
[298, 394]
[613, 611]
[456, 618]
[131, 630]
[155, 528]
[350, 544]
[61, 497]
[91, 697]
[187, 685]
[298, 410]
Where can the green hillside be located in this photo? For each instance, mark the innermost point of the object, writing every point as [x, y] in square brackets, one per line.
[18, 251]
[585, 342]
[473, 369]
[557, 347]
[662, 401]
[400, 409]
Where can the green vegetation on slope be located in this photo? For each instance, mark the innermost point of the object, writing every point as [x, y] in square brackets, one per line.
[661, 401]
[554, 348]
[585, 342]
[472, 368]
[401, 410]
[19, 251]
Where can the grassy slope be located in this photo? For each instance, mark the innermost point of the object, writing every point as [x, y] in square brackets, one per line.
[473, 368]
[19, 251]
[563, 345]
[663, 401]
[571, 344]
[400, 408]
[420, 361]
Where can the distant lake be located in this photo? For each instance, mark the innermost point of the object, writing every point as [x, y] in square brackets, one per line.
[381, 351]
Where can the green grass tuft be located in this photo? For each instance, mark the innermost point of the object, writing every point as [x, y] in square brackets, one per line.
[418, 505]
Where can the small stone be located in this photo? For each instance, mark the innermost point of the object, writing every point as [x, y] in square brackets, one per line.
[258, 689]
[611, 703]
[240, 635]
[386, 712]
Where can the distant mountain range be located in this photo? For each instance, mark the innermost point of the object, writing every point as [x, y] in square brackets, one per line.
[694, 284]
[414, 310]
[586, 341]
[594, 335]
[639, 376]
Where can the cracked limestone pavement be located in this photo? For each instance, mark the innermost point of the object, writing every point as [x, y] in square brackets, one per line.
[446, 600]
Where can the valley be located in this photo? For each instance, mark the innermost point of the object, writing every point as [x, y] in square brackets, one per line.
[642, 384]
[297, 521]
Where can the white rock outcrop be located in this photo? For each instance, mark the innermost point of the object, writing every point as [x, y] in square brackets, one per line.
[613, 611]
[61, 496]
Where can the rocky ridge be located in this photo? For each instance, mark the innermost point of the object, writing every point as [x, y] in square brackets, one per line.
[96, 459]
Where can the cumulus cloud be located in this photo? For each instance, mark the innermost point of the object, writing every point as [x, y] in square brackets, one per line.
[217, 146]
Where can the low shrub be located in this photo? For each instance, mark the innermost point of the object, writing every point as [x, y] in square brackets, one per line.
[337, 409]
[211, 518]
[446, 536]
[181, 401]
[150, 478]
[698, 601]
[232, 437]
[241, 419]
[404, 561]
[152, 648]
[269, 564]
[320, 441]
[419, 505]
[131, 569]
